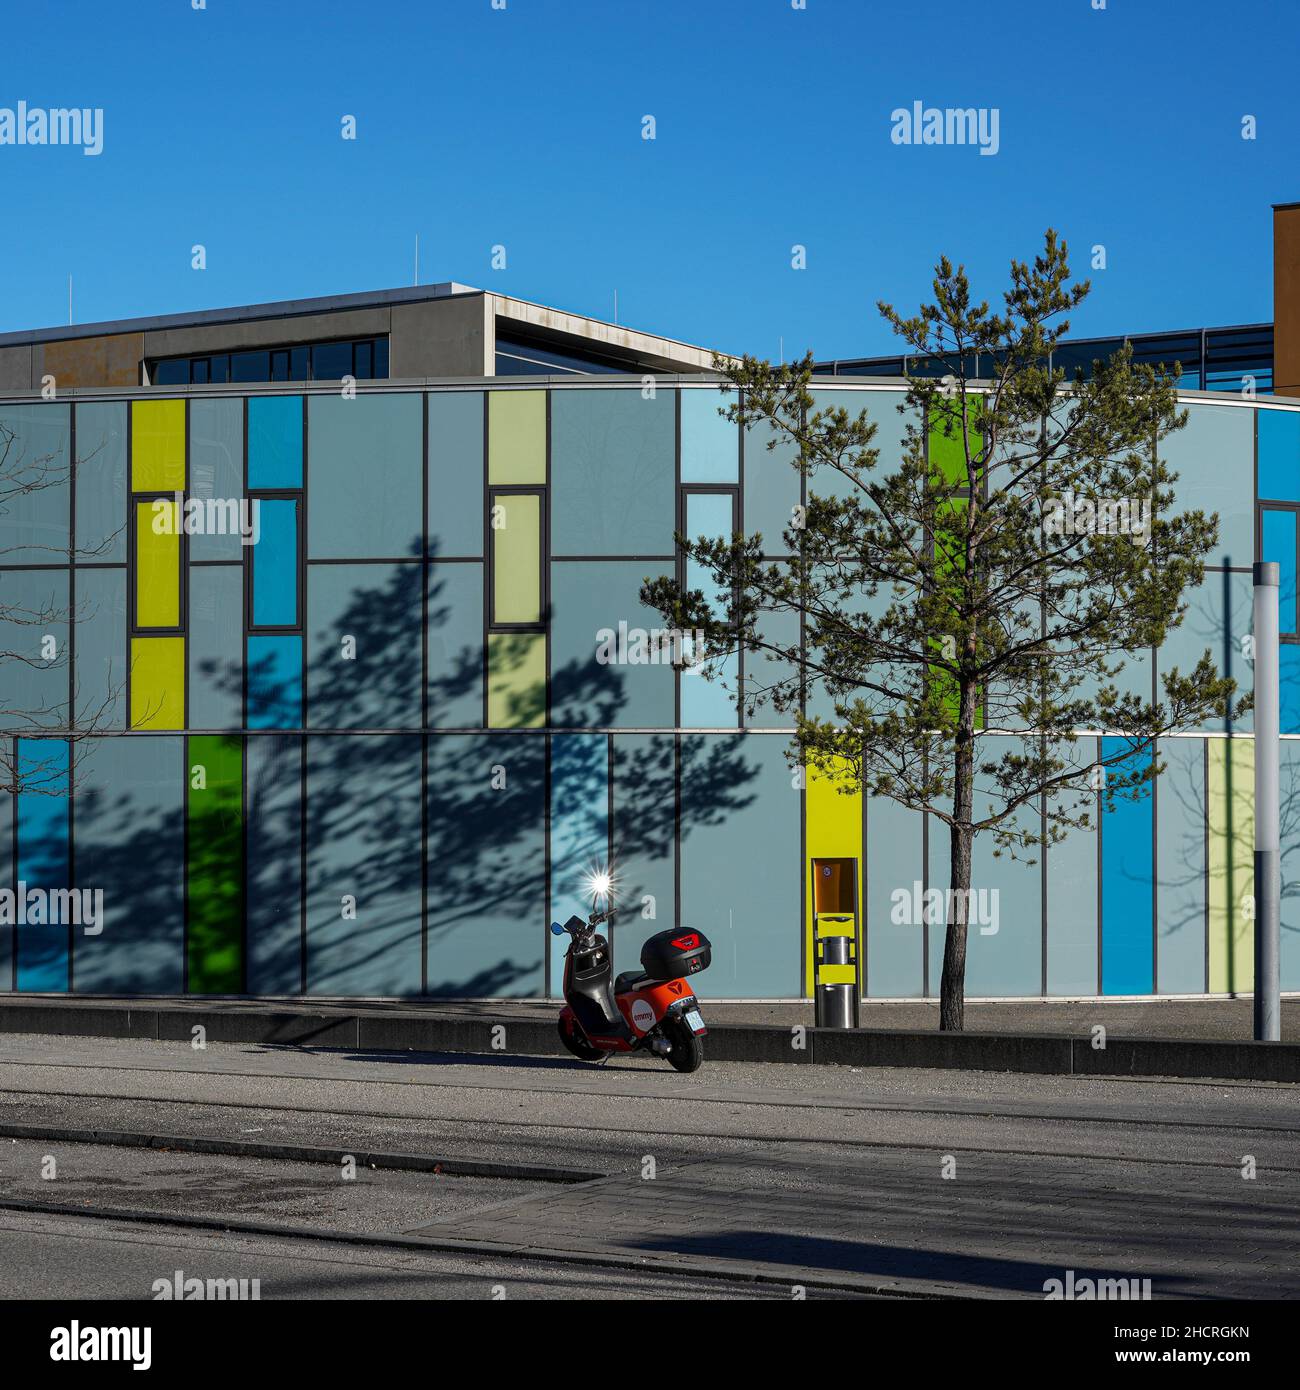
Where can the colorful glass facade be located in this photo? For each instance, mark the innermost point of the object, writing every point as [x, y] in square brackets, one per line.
[367, 738]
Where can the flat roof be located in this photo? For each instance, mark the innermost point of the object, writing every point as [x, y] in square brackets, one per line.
[241, 313]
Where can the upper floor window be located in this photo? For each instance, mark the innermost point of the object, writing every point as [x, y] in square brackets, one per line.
[366, 359]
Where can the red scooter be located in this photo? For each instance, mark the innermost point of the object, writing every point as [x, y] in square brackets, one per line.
[653, 1009]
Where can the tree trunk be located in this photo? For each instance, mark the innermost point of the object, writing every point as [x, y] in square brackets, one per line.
[952, 987]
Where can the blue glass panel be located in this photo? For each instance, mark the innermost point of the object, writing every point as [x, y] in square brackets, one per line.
[275, 564]
[274, 442]
[1127, 869]
[1279, 455]
[710, 443]
[6, 882]
[274, 682]
[1289, 683]
[1278, 543]
[42, 863]
[579, 832]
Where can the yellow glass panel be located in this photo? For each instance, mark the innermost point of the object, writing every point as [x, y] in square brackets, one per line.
[834, 831]
[517, 558]
[157, 565]
[517, 680]
[157, 682]
[517, 437]
[1232, 865]
[157, 446]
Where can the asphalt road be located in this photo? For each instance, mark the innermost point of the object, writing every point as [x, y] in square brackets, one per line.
[741, 1180]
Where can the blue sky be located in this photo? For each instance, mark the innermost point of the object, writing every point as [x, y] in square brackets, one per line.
[522, 127]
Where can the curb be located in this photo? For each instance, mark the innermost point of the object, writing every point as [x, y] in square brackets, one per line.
[300, 1153]
[716, 1267]
[504, 1036]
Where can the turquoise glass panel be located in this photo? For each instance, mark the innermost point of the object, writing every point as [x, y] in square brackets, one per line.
[274, 442]
[275, 564]
[274, 682]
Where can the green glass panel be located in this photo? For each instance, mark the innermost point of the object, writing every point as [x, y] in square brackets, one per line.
[214, 809]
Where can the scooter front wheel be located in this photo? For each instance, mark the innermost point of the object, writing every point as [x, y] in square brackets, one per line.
[686, 1051]
[575, 1042]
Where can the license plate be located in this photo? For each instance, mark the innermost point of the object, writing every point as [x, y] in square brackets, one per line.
[695, 1021]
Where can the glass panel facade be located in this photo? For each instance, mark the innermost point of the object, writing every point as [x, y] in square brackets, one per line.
[612, 473]
[366, 470]
[451, 767]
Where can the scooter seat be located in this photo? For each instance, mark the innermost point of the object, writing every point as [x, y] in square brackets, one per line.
[631, 980]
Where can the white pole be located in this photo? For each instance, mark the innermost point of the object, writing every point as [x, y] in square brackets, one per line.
[1268, 837]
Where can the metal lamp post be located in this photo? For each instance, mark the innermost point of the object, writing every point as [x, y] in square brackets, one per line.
[1268, 840]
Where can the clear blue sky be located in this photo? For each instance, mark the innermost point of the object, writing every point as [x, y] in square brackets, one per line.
[523, 127]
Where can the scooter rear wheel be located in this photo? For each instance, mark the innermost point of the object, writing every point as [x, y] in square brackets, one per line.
[686, 1051]
[572, 1038]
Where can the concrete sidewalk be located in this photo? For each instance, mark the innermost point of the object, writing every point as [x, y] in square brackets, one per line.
[1210, 1019]
[1181, 1038]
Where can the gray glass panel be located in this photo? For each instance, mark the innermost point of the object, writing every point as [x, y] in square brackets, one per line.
[129, 833]
[1221, 593]
[363, 849]
[612, 473]
[273, 791]
[895, 873]
[1214, 457]
[710, 442]
[6, 881]
[598, 674]
[216, 647]
[1004, 947]
[644, 846]
[378, 607]
[772, 486]
[34, 607]
[34, 455]
[487, 865]
[738, 807]
[456, 473]
[1181, 883]
[455, 646]
[101, 648]
[882, 411]
[364, 476]
[217, 470]
[765, 671]
[1072, 901]
[101, 482]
